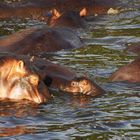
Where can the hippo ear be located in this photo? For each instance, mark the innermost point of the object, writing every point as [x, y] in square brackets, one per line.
[20, 64]
[18, 67]
[34, 79]
[55, 13]
[85, 82]
[83, 12]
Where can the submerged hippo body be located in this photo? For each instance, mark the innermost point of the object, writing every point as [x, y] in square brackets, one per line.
[129, 72]
[19, 82]
[35, 41]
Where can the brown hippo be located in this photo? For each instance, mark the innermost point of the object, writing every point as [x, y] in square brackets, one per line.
[36, 9]
[17, 81]
[82, 85]
[53, 75]
[38, 40]
[129, 72]
[61, 78]
[71, 19]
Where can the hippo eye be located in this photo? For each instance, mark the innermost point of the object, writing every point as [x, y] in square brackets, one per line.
[73, 83]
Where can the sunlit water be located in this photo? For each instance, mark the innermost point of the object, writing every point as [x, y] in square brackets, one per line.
[113, 116]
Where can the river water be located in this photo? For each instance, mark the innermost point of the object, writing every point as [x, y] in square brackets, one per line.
[113, 116]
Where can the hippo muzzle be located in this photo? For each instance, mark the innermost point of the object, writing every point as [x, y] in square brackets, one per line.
[83, 86]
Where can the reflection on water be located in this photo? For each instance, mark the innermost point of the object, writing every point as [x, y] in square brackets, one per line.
[18, 130]
[113, 116]
[21, 109]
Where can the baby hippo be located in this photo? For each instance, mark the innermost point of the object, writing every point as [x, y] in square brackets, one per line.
[17, 82]
[82, 85]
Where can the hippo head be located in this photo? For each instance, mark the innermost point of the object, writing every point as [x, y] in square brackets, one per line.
[19, 82]
[83, 86]
[73, 19]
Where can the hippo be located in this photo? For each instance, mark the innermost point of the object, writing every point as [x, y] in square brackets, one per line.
[72, 19]
[82, 85]
[17, 81]
[39, 40]
[53, 76]
[129, 72]
[36, 9]
[63, 79]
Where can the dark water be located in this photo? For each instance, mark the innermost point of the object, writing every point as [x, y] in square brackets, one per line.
[113, 116]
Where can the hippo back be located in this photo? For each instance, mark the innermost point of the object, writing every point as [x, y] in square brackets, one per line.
[129, 72]
[35, 41]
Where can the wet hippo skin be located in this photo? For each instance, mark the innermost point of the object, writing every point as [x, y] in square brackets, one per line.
[38, 8]
[129, 72]
[61, 78]
[39, 40]
[17, 81]
[72, 19]
[82, 85]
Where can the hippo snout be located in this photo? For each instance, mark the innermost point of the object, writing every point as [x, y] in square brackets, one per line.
[83, 86]
[39, 99]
